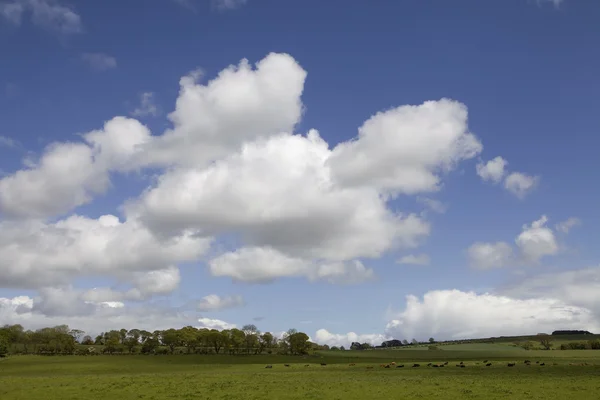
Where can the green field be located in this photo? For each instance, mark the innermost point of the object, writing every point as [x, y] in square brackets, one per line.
[245, 377]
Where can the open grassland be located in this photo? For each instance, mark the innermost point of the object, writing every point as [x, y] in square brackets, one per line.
[566, 374]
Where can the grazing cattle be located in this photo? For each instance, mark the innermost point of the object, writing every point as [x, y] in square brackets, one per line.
[511, 364]
[416, 365]
[307, 365]
[526, 361]
[269, 366]
[286, 365]
[352, 365]
[485, 361]
[429, 365]
[435, 366]
[462, 365]
[458, 365]
[542, 364]
[537, 362]
[446, 363]
[400, 366]
[323, 364]
[370, 367]
[387, 366]
[488, 364]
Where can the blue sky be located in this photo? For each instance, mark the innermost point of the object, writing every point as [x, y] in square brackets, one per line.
[216, 198]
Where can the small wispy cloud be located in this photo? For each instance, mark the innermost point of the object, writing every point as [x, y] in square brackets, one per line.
[432, 204]
[47, 14]
[213, 302]
[419, 259]
[7, 142]
[228, 4]
[99, 61]
[147, 106]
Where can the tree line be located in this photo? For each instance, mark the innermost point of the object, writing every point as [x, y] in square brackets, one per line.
[187, 340]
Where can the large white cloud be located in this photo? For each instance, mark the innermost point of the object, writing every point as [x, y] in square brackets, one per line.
[261, 265]
[35, 254]
[403, 150]
[68, 175]
[239, 105]
[453, 314]
[92, 318]
[254, 193]
[580, 287]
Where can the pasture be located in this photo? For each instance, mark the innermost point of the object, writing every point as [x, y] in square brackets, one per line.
[566, 374]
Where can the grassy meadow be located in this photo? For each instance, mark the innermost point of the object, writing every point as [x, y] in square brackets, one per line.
[566, 374]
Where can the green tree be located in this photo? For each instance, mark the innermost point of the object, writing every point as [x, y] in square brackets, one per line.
[171, 339]
[216, 340]
[545, 341]
[431, 340]
[297, 342]
[266, 341]
[3, 346]
[87, 340]
[150, 345]
[251, 334]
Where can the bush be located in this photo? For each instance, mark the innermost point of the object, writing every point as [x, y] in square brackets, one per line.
[594, 344]
[433, 348]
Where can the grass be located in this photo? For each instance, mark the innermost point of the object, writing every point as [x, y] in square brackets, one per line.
[244, 377]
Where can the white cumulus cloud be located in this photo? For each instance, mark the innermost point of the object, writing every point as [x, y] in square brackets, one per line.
[214, 302]
[492, 170]
[323, 336]
[214, 324]
[520, 184]
[454, 314]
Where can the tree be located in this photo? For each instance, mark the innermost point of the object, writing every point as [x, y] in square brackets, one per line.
[216, 340]
[99, 339]
[87, 340]
[266, 341]
[545, 341]
[342, 348]
[414, 341]
[77, 334]
[405, 342]
[170, 338]
[3, 346]
[431, 340]
[298, 343]
[251, 333]
[150, 345]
